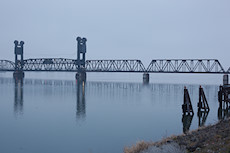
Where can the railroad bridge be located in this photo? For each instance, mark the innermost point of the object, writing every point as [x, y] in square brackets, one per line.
[82, 66]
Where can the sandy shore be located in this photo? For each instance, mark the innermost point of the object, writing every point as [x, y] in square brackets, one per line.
[213, 138]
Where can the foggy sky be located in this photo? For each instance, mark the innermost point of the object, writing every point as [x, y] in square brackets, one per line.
[121, 29]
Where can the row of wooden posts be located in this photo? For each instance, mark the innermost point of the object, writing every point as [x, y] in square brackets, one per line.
[202, 103]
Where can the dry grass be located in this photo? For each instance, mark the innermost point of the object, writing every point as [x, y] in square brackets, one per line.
[138, 147]
[211, 138]
[142, 145]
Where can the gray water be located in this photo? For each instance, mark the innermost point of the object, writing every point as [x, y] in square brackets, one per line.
[57, 116]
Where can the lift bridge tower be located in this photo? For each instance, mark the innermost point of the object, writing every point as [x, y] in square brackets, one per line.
[81, 51]
[19, 63]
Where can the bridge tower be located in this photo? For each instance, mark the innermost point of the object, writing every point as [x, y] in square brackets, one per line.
[81, 51]
[18, 51]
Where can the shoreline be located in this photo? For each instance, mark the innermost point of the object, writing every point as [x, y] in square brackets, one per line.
[212, 138]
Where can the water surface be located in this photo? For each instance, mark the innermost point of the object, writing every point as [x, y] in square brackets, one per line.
[56, 116]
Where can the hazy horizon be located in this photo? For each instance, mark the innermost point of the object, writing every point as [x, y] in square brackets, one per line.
[118, 29]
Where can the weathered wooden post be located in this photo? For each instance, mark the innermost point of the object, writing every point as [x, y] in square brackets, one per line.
[225, 79]
[187, 105]
[203, 103]
[220, 96]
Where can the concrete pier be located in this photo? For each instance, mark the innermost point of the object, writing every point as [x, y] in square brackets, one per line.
[18, 75]
[146, 78]
[80, 76]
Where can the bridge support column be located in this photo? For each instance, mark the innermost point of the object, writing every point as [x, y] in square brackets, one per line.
[146, 78]
[81, 51]
[225, 80]
[18, 75]
[18, 51]
[80, 76]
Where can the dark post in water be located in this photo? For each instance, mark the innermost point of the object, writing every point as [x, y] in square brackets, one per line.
[81, 50]
[223, 97]
[187, 111]
[18, 50]
[203, 103]
[203, 107]
[187, 105]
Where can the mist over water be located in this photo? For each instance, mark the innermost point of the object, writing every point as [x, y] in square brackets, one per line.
[62, 115]
[212, 79]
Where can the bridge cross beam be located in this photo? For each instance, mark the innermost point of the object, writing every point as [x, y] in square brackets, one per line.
[18, 51]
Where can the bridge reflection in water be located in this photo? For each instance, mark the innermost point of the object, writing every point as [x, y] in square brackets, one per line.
[18, 96]
[81, 105]
[169, 96]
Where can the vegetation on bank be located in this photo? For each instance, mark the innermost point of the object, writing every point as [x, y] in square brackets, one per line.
[213, 138]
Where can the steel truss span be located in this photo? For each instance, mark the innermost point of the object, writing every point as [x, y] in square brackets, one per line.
[6, 65]
[185, 66]
[61, 64]
[156, 66]
[50, 64]
[228, 70]
[114, 66]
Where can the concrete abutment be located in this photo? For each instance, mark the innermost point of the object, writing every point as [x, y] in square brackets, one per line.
[146, 78]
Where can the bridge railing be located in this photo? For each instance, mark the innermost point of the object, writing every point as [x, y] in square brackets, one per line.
[185, 66]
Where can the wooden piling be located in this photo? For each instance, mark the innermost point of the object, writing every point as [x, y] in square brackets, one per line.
[203, 103]
[187, 105]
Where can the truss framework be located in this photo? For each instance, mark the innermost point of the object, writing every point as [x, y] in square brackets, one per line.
[6, 65]
[185, 66]
[156, 66]
[114, 66]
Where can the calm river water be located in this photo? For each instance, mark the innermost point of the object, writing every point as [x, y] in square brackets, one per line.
[56, 116]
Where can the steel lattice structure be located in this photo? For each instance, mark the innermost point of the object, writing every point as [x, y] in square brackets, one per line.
[228, 70]
[114, 66]
[49, 64]
[61, 64]
[6, 65]
[156, 66]
[185, 66]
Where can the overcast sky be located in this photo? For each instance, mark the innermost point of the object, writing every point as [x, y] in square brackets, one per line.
[117, 29]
